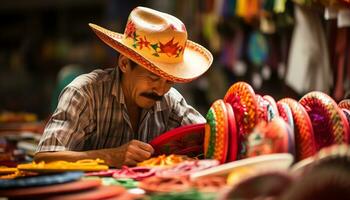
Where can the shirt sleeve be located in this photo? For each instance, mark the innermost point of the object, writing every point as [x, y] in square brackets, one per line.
[182, 113]
[66, 128]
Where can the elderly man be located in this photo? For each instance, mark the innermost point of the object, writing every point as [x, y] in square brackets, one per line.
[111, 114]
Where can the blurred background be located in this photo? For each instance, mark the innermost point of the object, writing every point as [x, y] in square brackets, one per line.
[282, 48]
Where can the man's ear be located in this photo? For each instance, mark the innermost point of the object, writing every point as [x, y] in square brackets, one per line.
[123, 63]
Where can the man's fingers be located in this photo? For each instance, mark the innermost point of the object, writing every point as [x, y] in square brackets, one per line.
[138, 154]
[144, 146]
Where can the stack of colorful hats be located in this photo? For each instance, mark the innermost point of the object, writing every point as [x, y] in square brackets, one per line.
[245, 124]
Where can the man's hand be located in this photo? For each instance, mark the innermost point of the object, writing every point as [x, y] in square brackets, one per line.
[128, 154]
[136, 151]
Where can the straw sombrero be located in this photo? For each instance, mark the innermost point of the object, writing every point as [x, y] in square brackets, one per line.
[158, 42]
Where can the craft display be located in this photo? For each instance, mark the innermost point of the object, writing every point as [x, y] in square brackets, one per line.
[247, 139]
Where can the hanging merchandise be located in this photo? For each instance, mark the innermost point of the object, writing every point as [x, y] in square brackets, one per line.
[267, 24]
[210, 33]
[247, 9]
[343, 18]
[257, 54]
[257, 48]
[279, 6]
[340, 51]
[228, 8]
[308, 64]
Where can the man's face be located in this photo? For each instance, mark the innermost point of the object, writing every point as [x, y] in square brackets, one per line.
[143, 87]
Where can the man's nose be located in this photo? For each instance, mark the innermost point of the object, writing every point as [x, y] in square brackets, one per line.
[161, 87]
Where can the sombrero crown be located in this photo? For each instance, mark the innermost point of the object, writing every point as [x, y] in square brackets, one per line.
[158, 42]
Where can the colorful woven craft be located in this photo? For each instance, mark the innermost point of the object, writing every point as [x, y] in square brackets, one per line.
[242, 98]
[272, 110]
[329, 122]
[347, 115]
[286, 114]
[345, 104]
[261, 112]
[233, 135]
[185, 140]
[62, 166]
[268, 138]
[217, 132]
[164, 160]
[304, 135]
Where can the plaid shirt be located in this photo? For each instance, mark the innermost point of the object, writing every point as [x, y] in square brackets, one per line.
[92, 114]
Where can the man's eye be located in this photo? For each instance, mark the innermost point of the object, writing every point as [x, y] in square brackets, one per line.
[154, 78]
[170, 82]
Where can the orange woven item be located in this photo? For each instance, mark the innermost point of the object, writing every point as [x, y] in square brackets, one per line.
[261, 111]
[242, 98]
[272, 110]
[220, 131]
[345, 104]
[329, 122]
[304, 135]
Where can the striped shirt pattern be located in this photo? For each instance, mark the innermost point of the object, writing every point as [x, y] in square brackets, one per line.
[92, 114]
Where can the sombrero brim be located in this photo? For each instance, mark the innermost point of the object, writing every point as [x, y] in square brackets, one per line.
[196, 59]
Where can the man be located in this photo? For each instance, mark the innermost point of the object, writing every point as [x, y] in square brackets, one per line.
[111, 114]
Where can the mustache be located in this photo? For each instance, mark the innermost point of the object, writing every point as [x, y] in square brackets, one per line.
[152, 95]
